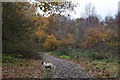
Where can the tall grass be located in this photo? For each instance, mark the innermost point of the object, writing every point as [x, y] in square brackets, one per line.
[90, 54]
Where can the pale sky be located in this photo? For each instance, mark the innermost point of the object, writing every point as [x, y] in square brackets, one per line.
[103, 7]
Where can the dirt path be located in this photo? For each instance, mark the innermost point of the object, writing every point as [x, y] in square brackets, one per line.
[65, 68]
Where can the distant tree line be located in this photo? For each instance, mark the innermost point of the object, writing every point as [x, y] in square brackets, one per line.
[24, 32]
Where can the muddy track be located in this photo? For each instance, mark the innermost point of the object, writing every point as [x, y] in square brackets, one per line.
[65, 68]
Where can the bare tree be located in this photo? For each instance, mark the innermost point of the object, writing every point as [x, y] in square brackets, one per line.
[90, 15]
[90, 10]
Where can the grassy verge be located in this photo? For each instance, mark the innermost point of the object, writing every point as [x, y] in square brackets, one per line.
[100, 68]
[93, 62]
[62, 56]
[11, 60]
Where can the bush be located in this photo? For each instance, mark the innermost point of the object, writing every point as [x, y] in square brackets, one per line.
[51, 43]
[91, 54]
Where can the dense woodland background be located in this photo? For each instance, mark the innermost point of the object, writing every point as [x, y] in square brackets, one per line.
[27, 33]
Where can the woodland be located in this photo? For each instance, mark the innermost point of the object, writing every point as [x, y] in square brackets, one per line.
[26, 34]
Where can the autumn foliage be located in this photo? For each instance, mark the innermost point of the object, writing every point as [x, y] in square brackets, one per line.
[69, 40]
[96, 36]
[41, 35]
[25, 32]
[51, 42]
[52, 35]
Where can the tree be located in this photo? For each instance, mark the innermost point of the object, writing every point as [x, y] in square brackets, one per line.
[68, 41]
[100, 37]
[16, 20]
[48, 8]
[51, 42]
[90, 10]
[41, 35]
[91, 16]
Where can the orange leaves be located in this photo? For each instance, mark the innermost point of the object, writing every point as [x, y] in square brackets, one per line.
[113, 39]
[94, 36]
[51, 42]
[99, 35]
[42, 22]
[41, 25]
[40, 34]
[69, 40]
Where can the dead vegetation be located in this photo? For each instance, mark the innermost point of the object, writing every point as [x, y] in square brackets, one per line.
[28, 68]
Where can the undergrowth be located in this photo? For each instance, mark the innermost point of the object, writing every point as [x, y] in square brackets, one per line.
[99, 62]
[12, 60]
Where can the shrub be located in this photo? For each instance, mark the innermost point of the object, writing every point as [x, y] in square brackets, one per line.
[94, 36]
[69, 40]
[100, 37]
[41, 35]
[51, 42]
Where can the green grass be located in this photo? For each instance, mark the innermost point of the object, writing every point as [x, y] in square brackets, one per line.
[51, 53]
[8, 59]
[11, 60]
[110, 60]
[64, 57]
[46, 75]
[55, 53]
[93, 60]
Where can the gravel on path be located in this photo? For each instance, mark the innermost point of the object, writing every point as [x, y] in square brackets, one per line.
[65, 68]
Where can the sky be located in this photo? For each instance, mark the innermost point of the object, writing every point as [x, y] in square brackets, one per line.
[103, 7]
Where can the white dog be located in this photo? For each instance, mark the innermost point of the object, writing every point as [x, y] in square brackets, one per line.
[47, 65]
